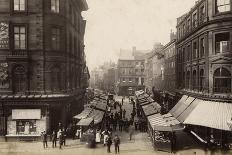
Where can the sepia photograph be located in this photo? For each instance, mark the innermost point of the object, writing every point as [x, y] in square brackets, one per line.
[103, 77]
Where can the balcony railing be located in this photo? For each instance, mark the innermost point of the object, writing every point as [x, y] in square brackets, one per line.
[18, 53]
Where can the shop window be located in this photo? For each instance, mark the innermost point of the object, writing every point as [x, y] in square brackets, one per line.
[202, 80]
[20, 37]
[188, 80]
[222, 42]
[55, 38]
[195, 50]
[55, 6]
[19, 5]
[222, 81]
[19, 79]
[222, 6]
[25, 127]
[202, 47]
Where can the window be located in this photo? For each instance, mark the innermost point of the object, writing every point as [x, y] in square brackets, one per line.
[195, 50]
[137, 81]
[19, 5]
[25, 127]
[194, 80]
[188, 53]
[195, 20]
[222, 5]
[56, 79]
[202, 80]
[202, 13]
[189, 25]
[130, 79]
[202, 47]
[19, 79]
[19, 37]
[222, 42]
[222, 81]
[188, 80]
[55, 6]
[184, 29]
[55, 38]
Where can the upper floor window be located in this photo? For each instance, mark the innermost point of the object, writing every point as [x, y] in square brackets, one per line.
[195, 20]
[19, 79]
[19, 5]
[19, 37]
[55, 6]
[188, 53]
[201, 80]
[202, 47]
[222, 81]
[222, 5]
[195, 50]
[55, 38]
[202, 13]
[188, 25]
[222, 42]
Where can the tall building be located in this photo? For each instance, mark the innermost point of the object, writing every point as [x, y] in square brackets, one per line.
[203, 67]
[131, 71]
[42, 64]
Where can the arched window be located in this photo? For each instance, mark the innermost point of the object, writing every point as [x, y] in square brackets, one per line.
[19, 79]
[188, 80]
[194, 79]
[56, 79]
[201, 80]
[222, 81]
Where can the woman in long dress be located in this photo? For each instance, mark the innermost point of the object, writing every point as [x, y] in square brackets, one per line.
[98, 136]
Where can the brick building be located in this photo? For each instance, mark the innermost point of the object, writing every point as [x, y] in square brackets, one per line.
[42, 64]
[203, 66]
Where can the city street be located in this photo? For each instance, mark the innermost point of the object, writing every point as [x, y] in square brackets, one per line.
[139, 145]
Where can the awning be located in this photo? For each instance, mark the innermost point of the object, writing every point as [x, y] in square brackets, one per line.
[178, 104]
[97, 116]
[99, 106]
[181, 106]
[85, 122]
[164, 123]
[151, 109]
[211, 114]
[84, 114]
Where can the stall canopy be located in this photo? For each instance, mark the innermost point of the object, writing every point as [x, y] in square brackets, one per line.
[97, 116]
[84, 114]
[160, 122]
[85, 121]
[151, 109]
[211, 114]
[99, 106]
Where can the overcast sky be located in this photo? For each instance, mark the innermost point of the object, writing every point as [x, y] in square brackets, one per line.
[115, 24]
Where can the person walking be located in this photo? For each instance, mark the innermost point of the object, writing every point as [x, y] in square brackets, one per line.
[116, 144]
[131, 131]
[105, 136]
[54, 136]
[108, 143]
[61, 139]
[122, 100]
[44, 139]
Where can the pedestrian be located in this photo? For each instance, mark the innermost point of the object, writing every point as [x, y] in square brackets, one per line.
[120, 124]
[108, 143]
[105, 136]
[116, 144]
[131, 131]
[61, 140]
[44, 139]
[64, 136]
[54, 136]
[98, 136]
[124, 113]
[122, 100]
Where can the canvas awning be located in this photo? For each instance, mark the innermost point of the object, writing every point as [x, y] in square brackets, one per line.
[99, 106]
[151, 109]
[160, 122]
[84, 114]
[211, 114]
[85, 121]
[97, 116]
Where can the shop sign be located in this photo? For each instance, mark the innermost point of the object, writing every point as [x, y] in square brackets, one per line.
[4, 35]
[26, 114]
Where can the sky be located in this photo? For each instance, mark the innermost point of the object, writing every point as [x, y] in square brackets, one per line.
[115, 24]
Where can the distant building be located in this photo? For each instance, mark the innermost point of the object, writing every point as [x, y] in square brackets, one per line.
[42, 65]
[131, 71]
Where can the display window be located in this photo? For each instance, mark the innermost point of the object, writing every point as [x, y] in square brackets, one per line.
[25, 127]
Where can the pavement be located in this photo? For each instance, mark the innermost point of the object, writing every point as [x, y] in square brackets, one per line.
[139, 145]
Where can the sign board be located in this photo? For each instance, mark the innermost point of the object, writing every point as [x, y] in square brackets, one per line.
[4, 35]
[26, 114]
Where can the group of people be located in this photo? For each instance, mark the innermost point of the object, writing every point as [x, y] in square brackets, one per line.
[55, 136]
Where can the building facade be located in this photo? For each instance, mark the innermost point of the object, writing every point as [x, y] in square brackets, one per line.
[204, 52]
[42, 64]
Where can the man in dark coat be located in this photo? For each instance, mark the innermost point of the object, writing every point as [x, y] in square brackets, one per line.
[116, 143]
[54, 136]
[109, 143]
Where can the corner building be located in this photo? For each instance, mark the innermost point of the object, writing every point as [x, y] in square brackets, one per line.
[204, 63]
[42, 65]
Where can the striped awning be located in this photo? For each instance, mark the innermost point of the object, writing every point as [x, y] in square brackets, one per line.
[85, 122]
[211, 114]
[84, 114]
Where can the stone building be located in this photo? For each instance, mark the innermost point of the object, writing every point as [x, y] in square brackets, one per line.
[42, 63]
[204, 66]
